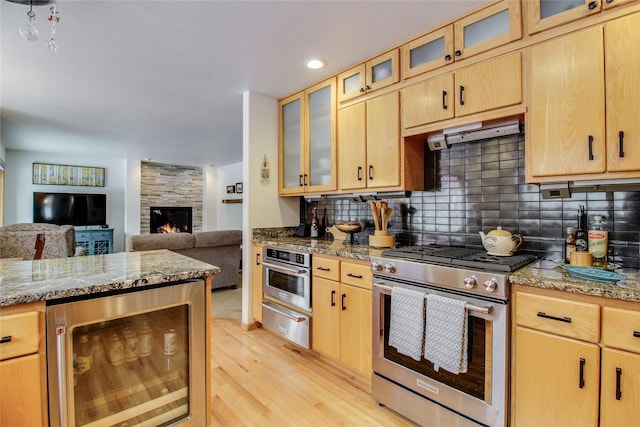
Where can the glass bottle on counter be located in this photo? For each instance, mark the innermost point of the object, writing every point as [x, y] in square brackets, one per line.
[582, 237]
[570, 244]
[598, 241]
[315, 225]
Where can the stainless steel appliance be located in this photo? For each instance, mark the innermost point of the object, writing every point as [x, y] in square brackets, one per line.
[286, 278]
[135, 358]
[414, 388]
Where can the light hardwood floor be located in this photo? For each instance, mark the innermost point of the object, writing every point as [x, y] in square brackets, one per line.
[259, 379]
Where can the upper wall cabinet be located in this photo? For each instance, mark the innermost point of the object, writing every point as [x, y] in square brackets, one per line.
[379, 72]
[488, 28]
[485, 86]
[494, 26]
[544, 14]
[583, 107]
[307, 136]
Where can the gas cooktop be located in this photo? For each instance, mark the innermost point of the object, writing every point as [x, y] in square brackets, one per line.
[460, 257]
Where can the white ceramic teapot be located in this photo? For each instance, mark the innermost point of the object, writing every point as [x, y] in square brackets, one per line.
[500, 242]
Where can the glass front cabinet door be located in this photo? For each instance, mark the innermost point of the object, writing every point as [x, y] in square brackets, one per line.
[379, 72]
[307, 140]
[493, 26]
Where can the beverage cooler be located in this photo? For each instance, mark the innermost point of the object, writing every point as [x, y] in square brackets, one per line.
[133, 359]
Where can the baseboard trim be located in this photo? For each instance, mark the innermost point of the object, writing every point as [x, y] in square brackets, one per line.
[250, 326]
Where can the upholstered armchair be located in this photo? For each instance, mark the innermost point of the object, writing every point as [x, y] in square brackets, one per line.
[18, 240]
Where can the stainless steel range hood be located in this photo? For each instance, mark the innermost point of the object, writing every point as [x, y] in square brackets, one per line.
[560, 190]
[473, 132]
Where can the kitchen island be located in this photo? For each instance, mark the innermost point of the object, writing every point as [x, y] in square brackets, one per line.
[127, 307]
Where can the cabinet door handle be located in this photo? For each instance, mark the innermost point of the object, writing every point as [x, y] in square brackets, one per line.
[361, 90]
[447, 57]
[560, 319]
[367, 87]
[333, 298]
[636, 334]
[344, 307]
[461, 96]
[359, 173]
[592, 5]
[609, 1]
[582, 363]
[458, 52]
[357, 276]
[444, 99]
[257, 259]
[301, 183]
[621, 142]
[323, 269]
[618, 391]
[305, 179]
[590, 147]
[5, 339]
[370, 171]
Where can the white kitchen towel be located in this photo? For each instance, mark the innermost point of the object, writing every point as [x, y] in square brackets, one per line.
[406, 328]
[445, 341]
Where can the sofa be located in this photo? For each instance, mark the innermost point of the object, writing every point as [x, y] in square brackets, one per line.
[19, 240]
[220, 248]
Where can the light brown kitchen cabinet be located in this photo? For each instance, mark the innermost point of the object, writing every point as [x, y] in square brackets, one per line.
[488, 28]
[23, 400]
[576, 360]
[307, 140]
[496, 25]
[379, 72]
[541, 15]
[620, 389]
[485, 86]
[568, 107]
[341, 325]
[556, 361]
[369, 149]
[256, 283]
[428, 52]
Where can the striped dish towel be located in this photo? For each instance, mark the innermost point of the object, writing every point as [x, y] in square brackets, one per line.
[406, 329]
[445, 341]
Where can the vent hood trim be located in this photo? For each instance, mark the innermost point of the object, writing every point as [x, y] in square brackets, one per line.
[360, 197]
[561, 190]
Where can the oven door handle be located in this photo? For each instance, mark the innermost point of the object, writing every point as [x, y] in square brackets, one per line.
[470, 307]
[286, 270]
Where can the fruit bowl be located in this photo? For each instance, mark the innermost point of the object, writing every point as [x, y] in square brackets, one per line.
[349, 227]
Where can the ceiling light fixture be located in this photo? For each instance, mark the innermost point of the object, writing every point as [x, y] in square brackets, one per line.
[29, 31]
[315, 64]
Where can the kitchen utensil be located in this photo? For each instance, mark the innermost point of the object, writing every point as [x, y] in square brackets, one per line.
[376, 215]
[584, 259]
[386, 219]
[500, 242]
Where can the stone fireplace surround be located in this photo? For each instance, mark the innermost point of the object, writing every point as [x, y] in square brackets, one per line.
[170, 186]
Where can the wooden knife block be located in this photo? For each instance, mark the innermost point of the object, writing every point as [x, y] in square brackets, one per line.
[382, 239]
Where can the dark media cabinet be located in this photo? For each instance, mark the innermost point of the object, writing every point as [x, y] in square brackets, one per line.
[96, 241]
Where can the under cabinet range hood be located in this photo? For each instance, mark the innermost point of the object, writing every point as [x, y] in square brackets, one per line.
[561, 190]
[473, 132]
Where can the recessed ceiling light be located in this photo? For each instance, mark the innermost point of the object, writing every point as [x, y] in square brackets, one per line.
[315, 64]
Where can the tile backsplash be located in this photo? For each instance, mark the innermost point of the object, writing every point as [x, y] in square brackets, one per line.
[477, 186]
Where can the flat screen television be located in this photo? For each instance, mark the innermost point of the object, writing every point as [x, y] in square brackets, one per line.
[70, 208]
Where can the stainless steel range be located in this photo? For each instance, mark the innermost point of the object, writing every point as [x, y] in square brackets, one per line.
[416, 388]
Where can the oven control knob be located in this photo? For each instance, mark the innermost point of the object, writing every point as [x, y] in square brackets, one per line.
[470, 282]
[389, 268]
[491, 285]
[376, 266]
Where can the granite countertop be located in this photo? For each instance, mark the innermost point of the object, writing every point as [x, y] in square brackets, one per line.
[550, 275]
[320, 246]
[51, 279]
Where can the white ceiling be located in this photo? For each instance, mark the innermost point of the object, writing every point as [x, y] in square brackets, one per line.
[164, 79]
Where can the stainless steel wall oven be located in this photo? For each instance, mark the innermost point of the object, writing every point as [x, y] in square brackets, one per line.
[286, 278]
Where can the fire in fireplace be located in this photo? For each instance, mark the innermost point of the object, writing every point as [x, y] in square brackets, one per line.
[170, 219]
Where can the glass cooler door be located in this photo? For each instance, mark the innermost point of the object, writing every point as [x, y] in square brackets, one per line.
[132, 370]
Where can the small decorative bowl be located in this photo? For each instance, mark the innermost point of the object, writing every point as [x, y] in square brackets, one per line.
[349, 227]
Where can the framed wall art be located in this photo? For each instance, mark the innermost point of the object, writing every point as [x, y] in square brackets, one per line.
[239, 187]
[86, 176]
[231, 189]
